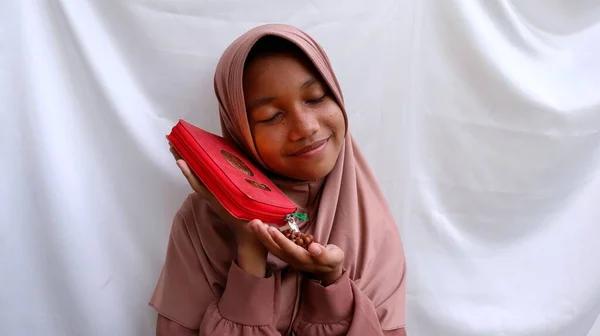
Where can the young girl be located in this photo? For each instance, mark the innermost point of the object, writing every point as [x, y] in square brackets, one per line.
[281, 103]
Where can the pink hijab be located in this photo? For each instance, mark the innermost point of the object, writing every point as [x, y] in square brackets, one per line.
[347, 208]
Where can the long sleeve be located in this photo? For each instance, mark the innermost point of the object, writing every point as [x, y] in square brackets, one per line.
[242, 310]
[246, 307]
[202, 290]
[338, 309]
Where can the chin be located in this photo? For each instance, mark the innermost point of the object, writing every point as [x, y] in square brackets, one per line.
[313, 174]
[311, 170]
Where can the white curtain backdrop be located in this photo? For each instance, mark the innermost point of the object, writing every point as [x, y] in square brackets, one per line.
[481, 120]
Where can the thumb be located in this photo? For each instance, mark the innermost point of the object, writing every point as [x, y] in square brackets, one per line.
[315, 249]
[329, 255]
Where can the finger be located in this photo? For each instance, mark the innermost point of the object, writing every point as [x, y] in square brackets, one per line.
[330, 255]
[261, 230]
[299, 254]
[201, 189]
[191, 177]
[175, 153]
[315, 249]
[264, 235]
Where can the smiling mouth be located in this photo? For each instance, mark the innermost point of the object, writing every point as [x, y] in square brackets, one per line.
[311, 147]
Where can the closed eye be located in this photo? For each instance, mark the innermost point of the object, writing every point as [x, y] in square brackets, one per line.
[274, 118]
[316, 101]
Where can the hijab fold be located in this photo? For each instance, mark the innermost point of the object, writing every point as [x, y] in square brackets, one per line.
[351, 211]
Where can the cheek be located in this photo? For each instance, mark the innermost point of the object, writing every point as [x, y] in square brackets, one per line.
[336, 122]
[268, 143]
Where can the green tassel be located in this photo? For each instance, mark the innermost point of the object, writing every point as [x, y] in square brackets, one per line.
[301, 217]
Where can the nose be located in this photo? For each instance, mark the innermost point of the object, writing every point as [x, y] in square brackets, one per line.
[304, 124]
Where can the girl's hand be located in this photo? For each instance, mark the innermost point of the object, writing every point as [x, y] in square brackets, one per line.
[251, 254]
[240, 227]
[324, 262]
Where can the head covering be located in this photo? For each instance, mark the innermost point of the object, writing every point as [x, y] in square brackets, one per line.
[230, 72]
[346, 208]
[350, 210]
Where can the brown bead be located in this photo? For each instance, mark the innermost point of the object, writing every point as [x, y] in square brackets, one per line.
[299, 238]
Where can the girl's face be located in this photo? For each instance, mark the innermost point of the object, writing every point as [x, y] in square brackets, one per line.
[297, 126]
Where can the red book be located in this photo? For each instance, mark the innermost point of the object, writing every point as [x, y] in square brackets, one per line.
[239, 185]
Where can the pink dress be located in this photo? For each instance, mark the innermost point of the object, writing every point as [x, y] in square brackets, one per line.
[202, 288]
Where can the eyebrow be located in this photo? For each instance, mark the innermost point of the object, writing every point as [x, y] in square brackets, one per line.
[260, 102]
[308, 83]
[265, 100]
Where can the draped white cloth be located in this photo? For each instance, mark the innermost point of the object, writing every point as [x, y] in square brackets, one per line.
[481, 120]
